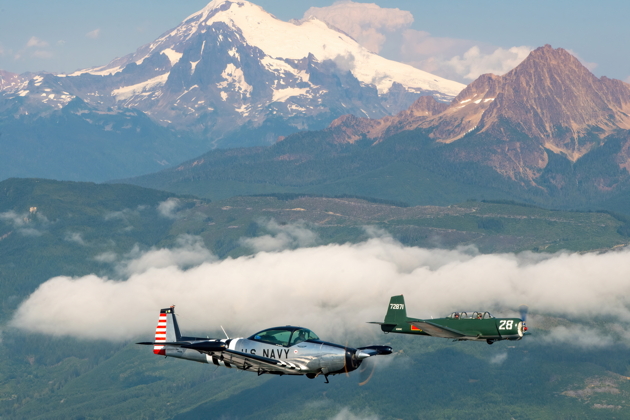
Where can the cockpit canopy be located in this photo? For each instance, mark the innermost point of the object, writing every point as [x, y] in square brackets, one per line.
[284, 336]
[470, 315]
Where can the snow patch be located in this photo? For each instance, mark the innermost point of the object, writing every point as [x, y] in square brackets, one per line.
[233, 53]
[127, 92]
[172, 55]
[282, 95]
[243, 109]
[193, 65]
[234, 76]
[98, 71]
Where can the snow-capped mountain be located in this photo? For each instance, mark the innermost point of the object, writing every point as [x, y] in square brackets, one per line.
[234, 65]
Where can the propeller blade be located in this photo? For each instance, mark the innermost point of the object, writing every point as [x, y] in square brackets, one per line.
[366, 371]
[523, 309]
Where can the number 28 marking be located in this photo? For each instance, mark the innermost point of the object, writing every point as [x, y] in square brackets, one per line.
[506, 324]
[396, 306]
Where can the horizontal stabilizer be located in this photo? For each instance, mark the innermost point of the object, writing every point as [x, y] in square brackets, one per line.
[206, 346]
[382, 323]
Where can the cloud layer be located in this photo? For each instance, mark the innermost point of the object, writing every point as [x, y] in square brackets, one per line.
[367, 23]
[459, 59]
[333, 289]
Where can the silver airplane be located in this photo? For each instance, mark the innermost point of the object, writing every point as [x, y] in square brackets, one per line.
[279, 351]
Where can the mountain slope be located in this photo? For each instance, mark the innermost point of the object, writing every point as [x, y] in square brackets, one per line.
[232, 64]
[548, 132]
[80, 143]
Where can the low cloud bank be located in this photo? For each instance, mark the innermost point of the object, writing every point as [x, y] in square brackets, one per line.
[332, 289]
[294, 235]
[347, 414]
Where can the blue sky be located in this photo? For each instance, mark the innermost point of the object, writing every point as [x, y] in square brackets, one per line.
[66, 35]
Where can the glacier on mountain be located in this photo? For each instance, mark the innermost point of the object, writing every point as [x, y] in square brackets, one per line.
[233, 64]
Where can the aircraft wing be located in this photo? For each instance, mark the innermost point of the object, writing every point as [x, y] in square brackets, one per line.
[220, 354]
[257, 363]
[436, 330]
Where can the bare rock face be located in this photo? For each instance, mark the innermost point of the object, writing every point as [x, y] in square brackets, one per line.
[548, 103]
[551, 96]
[348, 128]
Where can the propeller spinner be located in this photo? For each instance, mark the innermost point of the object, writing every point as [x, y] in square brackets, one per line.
[523, 309]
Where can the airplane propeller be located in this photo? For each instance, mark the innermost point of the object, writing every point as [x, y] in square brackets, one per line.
[354, 362]
[523, 309]
[361, 359]
[366, 371]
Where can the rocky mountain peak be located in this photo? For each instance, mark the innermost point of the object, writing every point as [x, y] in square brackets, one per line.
[552, 97]
[549, 102]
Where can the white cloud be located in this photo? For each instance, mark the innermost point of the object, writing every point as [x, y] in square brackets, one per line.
[74, 237]
[169, 208]
[498, 359]
[346, 414]
[282, 237]
[420, 45]
[345, 62]
[40, 48]
[15, 219]
[473, 63]
[94, 34]
[584, 337]
[190, 251]
[25, 223]
[458, 59]
[35, 42]
[30, 232]
[106, 257]
[365, 22]
[333, 289]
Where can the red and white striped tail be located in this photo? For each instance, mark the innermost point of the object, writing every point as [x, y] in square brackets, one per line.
[160, 335]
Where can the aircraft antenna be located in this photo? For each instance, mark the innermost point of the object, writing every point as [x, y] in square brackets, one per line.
[225, 332]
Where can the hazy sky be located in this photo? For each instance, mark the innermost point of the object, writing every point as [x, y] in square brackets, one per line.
[455, 38]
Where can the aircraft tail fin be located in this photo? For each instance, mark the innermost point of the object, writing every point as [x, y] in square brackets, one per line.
[167, 330]
[396, 312]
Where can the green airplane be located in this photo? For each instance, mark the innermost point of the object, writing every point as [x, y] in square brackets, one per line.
[458, 326]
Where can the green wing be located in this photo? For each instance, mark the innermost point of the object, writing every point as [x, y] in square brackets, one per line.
[436, 330]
